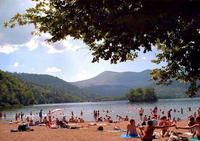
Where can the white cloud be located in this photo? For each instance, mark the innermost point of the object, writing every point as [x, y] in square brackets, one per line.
[32, 44]
[7, 49]
[16, 64]
[83, 74]
[52, 48]
[53, 70]
[59, 46]
[143, 58]
[1, 35]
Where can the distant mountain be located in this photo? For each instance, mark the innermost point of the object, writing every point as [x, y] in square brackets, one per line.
[56, 84]
[111, 83]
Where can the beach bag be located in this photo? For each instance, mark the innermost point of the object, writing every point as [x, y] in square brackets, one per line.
[100, 128]
[183, 139]
[22, 128]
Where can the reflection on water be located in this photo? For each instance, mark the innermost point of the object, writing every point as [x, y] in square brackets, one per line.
[115, 108]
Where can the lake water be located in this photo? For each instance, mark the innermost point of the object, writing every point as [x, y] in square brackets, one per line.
[115, 108]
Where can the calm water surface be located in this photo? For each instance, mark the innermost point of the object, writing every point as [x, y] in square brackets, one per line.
[115, 107]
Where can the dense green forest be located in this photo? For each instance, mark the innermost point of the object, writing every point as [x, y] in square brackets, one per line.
[141, 95]
[56, 84]
[27, 89]
[13, 92]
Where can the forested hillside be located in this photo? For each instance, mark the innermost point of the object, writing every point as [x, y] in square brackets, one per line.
[56, 84]
[118, 83]
[20, 89]
[13, 92]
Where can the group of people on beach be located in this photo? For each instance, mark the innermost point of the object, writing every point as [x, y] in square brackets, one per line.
[157, 119]
[149, 125]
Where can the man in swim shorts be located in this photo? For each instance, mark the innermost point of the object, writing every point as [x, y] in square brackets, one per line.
[147, 134]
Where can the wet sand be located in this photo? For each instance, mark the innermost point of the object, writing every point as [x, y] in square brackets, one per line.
[90, 133]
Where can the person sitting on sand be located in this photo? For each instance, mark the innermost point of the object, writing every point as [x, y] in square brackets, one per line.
[45, 121]
[198, 111]
[196, 128]
[81, 120]
[164, 122]
[145, 118]
[126, 118]
[147, 132]
[27, 119]
[57, 122]
[31, 123]
[71, 119]
[131, 128]
[191, 123]
[64, 120]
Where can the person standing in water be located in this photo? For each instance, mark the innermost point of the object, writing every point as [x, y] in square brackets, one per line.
[141, 112]
[40, 115]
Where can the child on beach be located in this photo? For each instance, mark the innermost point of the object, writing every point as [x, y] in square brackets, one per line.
[131, 129]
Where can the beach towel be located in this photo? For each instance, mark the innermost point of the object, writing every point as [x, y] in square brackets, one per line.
[13, 130]
[188, 133]
[127, 137]
[194, 139]
[116, 130]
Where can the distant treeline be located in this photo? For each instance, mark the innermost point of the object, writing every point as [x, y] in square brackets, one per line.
[141, 95]
[134, 95]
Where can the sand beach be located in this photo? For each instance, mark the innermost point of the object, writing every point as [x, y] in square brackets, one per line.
[90, 133]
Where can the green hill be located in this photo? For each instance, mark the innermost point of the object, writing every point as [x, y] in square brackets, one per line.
[56, 84]
[13, 92]
[118, 83]
[21, 89]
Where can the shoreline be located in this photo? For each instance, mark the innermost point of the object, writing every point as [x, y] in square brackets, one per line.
[22, 106]
[42, 133]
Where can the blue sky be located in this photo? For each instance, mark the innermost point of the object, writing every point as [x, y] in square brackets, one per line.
[69, 60]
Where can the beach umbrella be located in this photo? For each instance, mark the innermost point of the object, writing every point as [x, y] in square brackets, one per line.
[57, 112]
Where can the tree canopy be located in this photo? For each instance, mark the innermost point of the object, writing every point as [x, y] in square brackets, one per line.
[140, 95]
[117, 30]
